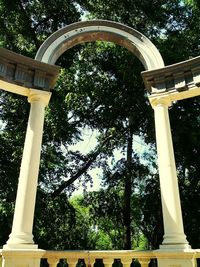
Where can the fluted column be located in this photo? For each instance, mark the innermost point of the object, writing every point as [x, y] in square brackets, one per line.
[174, 236]
[21, 235]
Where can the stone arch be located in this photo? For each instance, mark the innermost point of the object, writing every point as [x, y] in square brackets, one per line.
[148, 54]
[103, 30]
[37, 79]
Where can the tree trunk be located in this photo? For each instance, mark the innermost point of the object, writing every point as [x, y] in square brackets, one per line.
[128, 189]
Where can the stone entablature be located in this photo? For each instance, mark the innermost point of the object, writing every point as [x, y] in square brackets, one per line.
[178, 81]
[26, 72]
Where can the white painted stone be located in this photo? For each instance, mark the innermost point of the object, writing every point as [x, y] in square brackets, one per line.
[21, 258]
[58, 42]
[21, 235]
[172, 216]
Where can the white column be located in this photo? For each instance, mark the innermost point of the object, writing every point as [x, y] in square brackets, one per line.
[21, 235]
[174, 236]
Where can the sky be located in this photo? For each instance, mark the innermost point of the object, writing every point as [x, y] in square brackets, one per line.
[89, 143]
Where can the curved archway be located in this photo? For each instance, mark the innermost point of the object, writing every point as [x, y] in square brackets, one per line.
[102, 30]
[40, 75]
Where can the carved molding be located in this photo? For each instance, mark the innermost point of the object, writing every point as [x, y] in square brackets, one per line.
[26, 72]
[182, 78]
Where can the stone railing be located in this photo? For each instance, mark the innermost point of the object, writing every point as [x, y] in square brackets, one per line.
[197, 256]
[125, 257]
[120, 258]
[88, 258]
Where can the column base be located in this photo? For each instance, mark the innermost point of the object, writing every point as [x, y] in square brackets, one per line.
[21, 258]
[175, 257]
[20, 246]
[175, 238]
[175, 241]
[181, 247]
[21, 240]
[176, 263]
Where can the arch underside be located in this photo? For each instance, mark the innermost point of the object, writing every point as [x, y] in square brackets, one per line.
[96, 36]
[89, 31]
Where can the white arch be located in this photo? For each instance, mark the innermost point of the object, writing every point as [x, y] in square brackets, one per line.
[104, 30]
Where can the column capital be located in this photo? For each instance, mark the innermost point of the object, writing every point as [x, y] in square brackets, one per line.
[35, 95]
[160, 100]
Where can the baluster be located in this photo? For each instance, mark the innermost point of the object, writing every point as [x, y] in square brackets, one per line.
[108, 262]
[92, 261]
[89, 261]
[144, 262]
[126, 262]
[72, 262]
[53, 261]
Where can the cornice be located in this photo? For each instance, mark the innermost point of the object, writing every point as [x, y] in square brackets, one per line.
[26, 72]
[179, 81]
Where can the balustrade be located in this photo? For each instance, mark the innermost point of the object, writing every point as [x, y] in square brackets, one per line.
[198, 257]
[121, 258]
[105, 258]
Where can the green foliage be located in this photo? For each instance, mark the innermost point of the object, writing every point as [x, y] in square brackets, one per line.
[100, 88]
[6, 214]
[25, 24]
[103, 72]
[186, 127]
[67, 224]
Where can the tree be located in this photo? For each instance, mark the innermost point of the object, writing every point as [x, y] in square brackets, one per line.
[92, 92]
[102, 99]
[23, 27]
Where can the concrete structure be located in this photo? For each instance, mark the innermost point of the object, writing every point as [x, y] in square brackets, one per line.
[34, 79]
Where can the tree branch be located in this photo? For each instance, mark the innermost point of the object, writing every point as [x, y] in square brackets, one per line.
[84, 167]
[28, 23]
